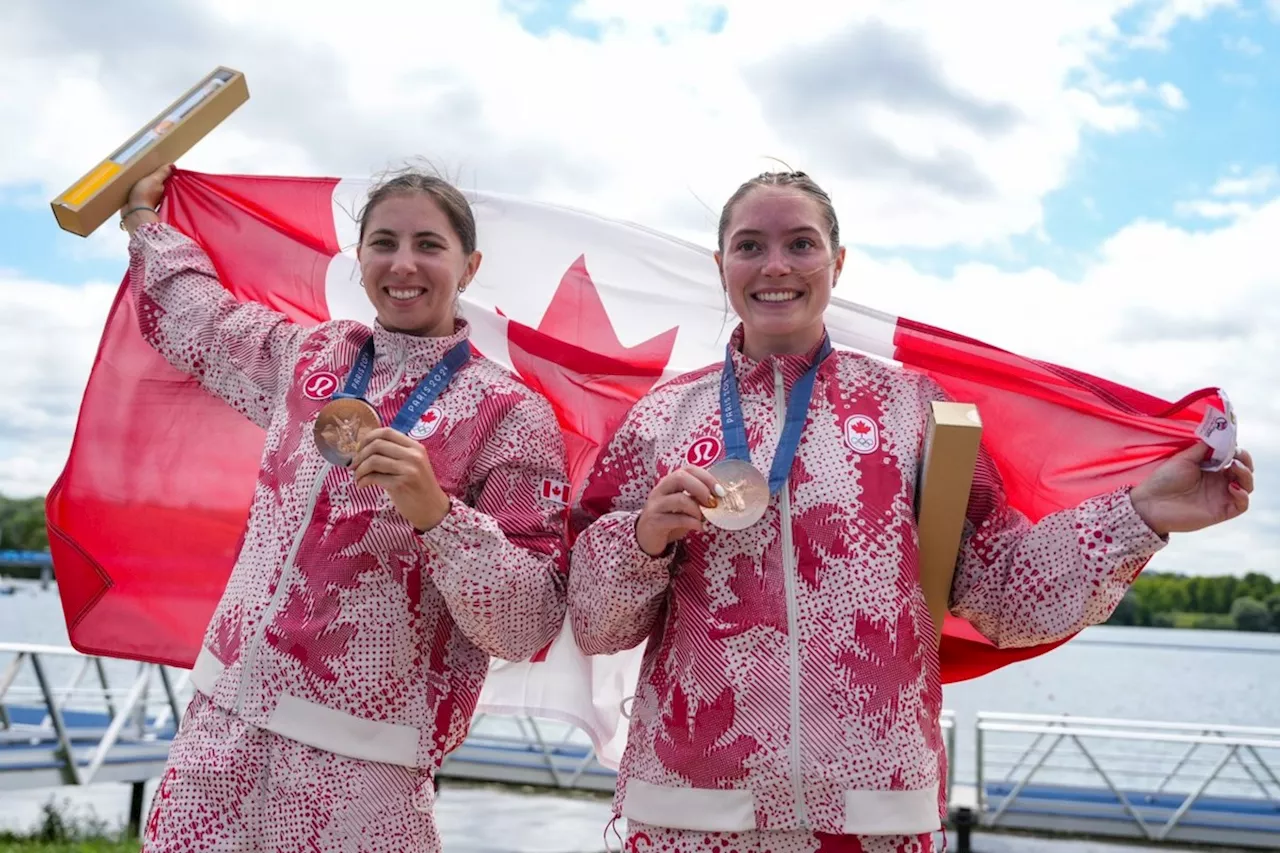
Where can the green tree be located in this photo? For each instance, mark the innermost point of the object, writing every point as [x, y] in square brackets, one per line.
[1126, 612]
[1225, 593]
[22, 524]
[1273, 606]
[1197, 593]
[1256, 585]
[1250, 614]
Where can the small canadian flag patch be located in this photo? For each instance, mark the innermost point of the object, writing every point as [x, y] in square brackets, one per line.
[555, 491]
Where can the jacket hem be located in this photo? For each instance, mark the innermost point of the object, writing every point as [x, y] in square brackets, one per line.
[891, 812]
[341, 733]
[711, 810]
[323, 728]
[866, 812]
[206, 671]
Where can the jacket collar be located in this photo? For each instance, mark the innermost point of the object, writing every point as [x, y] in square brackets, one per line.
[754, 374]
[417, 354]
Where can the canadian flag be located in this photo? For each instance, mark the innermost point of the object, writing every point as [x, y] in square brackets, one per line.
[555, 490]
[146, 517]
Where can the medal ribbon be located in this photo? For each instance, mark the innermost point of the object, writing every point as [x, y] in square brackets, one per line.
[735, 433]
[426, 392]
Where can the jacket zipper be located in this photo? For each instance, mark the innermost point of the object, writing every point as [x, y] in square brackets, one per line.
[793, 613]
[251, 653]
[286, 573]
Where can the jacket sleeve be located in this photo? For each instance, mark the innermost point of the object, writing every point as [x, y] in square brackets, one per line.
[616, 590]
[1024, 584]
[500, 564]
[241, 352]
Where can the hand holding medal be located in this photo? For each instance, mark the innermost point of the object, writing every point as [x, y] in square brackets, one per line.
[349, 433]
[396, 463]
[675, 508]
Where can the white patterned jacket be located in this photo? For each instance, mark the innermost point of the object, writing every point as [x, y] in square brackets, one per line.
[340, 626]
[791, 675]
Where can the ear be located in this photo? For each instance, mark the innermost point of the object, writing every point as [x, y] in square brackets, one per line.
[720, 268]
[471, 268]
[839, 266]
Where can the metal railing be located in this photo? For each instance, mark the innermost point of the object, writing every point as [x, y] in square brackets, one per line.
[1157, 781]
[531, 751]
[73, 719]
[116, 704]
[139, 711]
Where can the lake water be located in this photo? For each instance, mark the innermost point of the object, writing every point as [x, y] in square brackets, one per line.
[1129, 673]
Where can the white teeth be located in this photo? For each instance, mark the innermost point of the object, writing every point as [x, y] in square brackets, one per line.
[406, 294]
[777, 296]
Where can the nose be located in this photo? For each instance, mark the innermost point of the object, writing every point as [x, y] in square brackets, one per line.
[402, 263]
[776, 263]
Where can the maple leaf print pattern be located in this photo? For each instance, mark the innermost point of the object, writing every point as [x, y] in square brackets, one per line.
[691, 742]
[834, 703]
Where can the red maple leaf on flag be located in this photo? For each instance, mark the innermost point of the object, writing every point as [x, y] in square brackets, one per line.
[575, 360]
[861, 428]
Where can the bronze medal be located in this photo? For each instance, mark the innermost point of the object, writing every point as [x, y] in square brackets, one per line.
[340, 427]
[746, 495]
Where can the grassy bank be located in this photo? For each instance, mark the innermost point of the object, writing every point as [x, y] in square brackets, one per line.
[18, 845]
[60, 831]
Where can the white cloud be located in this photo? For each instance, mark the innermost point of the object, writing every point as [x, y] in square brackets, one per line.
[50, 335]
[1242, 44]
[1172, 96]
[1166, 15]
[1258, 182]
[1131, 91]
[924, 129]
[928, 130]
[1233, 195]
[1206, 209]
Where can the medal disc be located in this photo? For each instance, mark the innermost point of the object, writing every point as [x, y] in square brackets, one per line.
[746, 498]
[341, 425]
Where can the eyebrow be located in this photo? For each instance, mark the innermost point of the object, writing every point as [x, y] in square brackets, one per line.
[391, 233]
[755, 232]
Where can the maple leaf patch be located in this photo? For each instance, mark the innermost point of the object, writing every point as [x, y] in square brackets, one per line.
[862, 434]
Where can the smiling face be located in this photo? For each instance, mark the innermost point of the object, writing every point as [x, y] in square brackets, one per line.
[413, 264]
[778, 267]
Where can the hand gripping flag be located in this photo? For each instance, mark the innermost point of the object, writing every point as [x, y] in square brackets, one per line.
[145, 518]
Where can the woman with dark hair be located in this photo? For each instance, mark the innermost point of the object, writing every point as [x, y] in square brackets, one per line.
[789, 696]
[396, 540]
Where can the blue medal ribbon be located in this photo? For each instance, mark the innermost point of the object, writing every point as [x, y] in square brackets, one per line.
[735, 432]
[424, 394]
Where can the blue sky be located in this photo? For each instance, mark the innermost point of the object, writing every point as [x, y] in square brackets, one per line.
[1226, 67]
[36, 248]
[1232, 119]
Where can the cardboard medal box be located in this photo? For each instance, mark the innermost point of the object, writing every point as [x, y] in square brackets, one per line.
[101, 192]
[946, 476]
